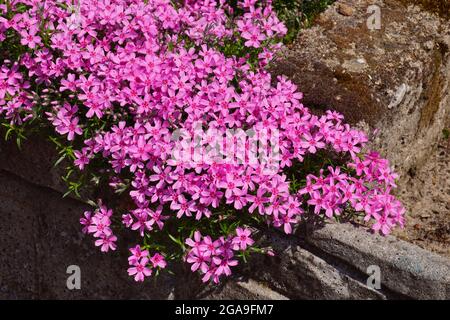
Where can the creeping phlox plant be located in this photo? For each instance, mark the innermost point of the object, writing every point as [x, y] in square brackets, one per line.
[152, 98]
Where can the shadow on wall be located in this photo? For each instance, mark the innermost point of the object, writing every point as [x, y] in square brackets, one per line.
[40, 238]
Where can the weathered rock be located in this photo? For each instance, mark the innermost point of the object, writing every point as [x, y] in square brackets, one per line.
[405, 268]
[34, 162]
[300, 274]
[42, 229]
[40, 238]
[395, 79]
[345, 9]
[242, 290]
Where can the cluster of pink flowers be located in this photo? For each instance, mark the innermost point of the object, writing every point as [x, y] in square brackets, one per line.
[258, 24]
[143, 219]
[337, 190]
[99, 225]
[130, 74]
[142, 264]
[65, 121]
[214, 258]
[14, 95]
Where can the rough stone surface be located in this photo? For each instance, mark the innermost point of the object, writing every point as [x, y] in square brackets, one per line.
[34, 162]
[300, 274]
[426, 196]
[395, 79]
[40, 237]
[395, 82]
[242, 290]
[345, 9]
[405, 268]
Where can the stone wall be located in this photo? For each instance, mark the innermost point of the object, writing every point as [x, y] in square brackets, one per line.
[395, 79]
[394, 84]
[40, 237]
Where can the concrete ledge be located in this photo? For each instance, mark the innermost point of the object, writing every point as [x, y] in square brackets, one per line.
[244, 290]
[405, 268]
[301, 274]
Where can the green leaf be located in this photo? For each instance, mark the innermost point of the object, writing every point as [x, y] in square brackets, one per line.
[59, 160]
[177, 241]
[8, 133]
[67, 193]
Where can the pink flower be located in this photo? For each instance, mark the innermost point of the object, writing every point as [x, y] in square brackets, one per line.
[71, 128]
[223, 265]
[231, 185]
[317, 201]
[258, 201]
[69, 84]
[140, 223]
[162, 176]
[158, 261]
[382, 224]
[107, 242]
[81, 160]
[198, 261]
[127, 220]
[253, 39]
[209, 247]
[312, 143]
[30, 39]
[196, 242]
[132, 85]
[286, 220]
[242, 239]
[140, 270]
[136, 254]
[86, 221]
[100, 226]
[183, 206]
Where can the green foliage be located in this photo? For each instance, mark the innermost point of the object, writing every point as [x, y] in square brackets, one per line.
[299, 14]
[223, 221]
[14, 132]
